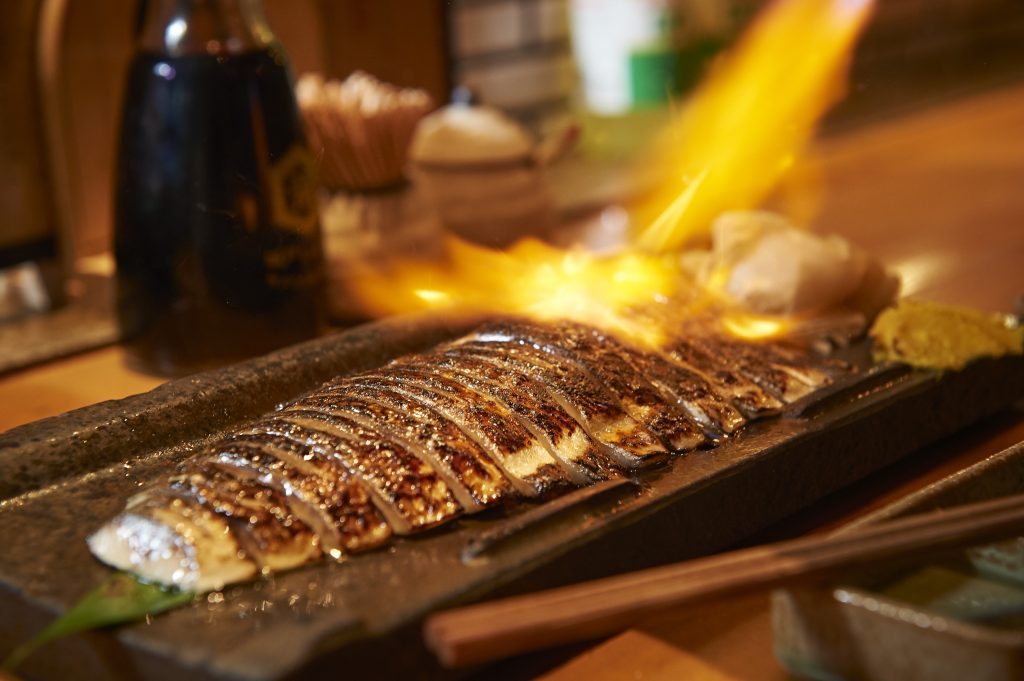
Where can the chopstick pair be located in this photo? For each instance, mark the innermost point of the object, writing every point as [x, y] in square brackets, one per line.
[498, 629]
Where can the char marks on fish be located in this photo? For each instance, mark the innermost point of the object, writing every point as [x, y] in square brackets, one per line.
[471, 474]
[581, 395]
[598, 353]
[528, 464]
[514, 409]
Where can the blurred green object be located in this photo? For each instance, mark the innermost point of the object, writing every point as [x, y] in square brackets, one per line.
[635, 55]
[956, 593]
[657, 74]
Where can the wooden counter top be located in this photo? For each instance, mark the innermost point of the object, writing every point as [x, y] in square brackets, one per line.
[938, 194]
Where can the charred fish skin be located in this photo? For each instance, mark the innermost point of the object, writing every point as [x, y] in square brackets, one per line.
[776, 380]
[641, 400]
[269, 511]
[323, 493]
[526, 462]
[476, 481]
[259, 516]
[798, 367]
[406, 490]
[819, 367]
[581, 395]
[568, 441]
[746, 395]
[693, 392]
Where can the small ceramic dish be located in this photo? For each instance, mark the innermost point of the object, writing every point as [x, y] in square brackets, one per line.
[955, 617]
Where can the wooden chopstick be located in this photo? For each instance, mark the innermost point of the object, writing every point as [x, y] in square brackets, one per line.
[497, 629]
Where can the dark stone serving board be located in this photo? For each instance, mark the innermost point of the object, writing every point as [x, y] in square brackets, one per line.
[61, 478]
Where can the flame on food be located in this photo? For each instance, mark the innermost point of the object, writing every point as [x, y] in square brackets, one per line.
[534, 279]
[755, 327]
[751, 118]
[737, 137]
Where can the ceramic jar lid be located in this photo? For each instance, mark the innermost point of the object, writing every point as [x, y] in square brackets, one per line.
[461, 135]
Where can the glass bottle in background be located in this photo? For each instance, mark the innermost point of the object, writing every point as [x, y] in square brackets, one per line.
[216, 235]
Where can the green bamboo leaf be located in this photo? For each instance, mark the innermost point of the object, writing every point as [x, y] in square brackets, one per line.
[118, 599]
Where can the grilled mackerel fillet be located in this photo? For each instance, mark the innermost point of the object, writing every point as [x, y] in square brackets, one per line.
[516, 409]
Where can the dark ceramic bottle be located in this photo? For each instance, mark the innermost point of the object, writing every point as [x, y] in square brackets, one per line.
[217, 240]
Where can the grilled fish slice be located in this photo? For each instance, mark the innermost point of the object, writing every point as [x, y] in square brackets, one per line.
[471, 475]
[581, 395]
[585, 459]
[803, 366]
[319, 490]
[526, 462]
[746, 395]
[173, 540]
[407, 490]
[260, 516]
[641, 400]
[751, 360]
[693, 391]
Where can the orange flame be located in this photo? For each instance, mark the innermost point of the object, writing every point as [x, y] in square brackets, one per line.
[752, 117]
[740, 133]
[755, 327]
[534, 279]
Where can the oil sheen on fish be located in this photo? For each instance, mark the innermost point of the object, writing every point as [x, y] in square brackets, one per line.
[474, 479]
[583, 458]
[745, 394]
[638, 397]
[320, 490]
[515, 409]
[757, 363]
[527, 463]
[582, 396]
[406, 489]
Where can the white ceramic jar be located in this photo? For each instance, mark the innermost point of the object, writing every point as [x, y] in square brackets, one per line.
[479, 169]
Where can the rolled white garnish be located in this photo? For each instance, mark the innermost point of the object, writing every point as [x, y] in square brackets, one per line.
[763, 263]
